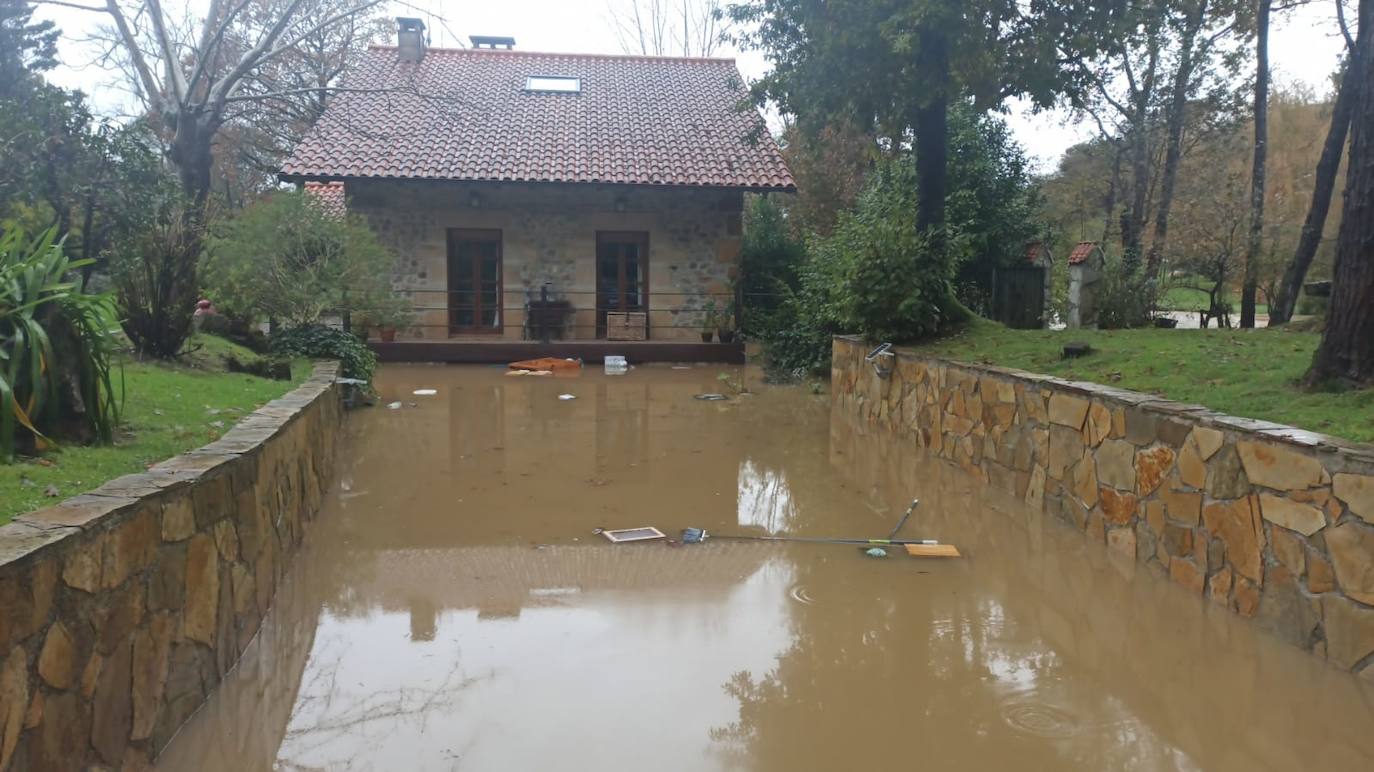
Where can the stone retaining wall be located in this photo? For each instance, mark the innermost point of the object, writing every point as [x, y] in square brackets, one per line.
[1271, 522]
[121, 609]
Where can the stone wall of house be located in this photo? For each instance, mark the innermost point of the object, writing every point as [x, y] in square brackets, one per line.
[1274, 523]
[549, 235]
[121, 609]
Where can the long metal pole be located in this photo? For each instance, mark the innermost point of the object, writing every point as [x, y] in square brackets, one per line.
[824, 540]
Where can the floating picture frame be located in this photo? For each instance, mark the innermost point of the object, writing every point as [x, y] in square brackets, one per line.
[623, 535]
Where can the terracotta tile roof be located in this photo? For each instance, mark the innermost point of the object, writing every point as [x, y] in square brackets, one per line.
[1082, 252]
[329, 195]
[464, 114]
[1035, 251]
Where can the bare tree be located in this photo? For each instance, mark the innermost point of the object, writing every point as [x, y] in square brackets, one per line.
[193, 73]
[294, 89]
[1198, 31]
[1155, 90]
[668, 27]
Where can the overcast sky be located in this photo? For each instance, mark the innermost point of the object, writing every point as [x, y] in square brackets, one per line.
[1304, 48]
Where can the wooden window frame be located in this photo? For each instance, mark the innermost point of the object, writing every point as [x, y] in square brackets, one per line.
[642, 238]
[455, 236]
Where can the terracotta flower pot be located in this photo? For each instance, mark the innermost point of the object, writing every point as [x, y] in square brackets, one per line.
[388, 334]
[726, 336]
[706, 337]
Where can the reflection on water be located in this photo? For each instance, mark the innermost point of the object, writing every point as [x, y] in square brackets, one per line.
[452, 609]
[765, 500]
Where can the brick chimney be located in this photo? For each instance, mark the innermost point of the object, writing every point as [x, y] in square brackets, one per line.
[410, 39]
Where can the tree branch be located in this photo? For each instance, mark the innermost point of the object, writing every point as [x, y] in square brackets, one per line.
[1345, 27]
[331, 21]
[316, 89]
[77, 6]
[211, 42]
[153, 89]
[176, 79]
[252, 57]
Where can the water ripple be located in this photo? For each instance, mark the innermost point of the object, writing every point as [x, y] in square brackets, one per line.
[1041, 720]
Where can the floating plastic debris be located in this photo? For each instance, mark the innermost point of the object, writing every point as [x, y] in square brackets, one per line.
[553, 592]
[711, 397]
[393, 406]
[566, 397]
[425, 392]
[693, 535]
[876, 552]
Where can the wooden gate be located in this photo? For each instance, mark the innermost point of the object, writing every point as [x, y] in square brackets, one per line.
[1018, 297]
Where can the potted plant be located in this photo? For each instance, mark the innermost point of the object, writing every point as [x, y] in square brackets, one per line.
[708, 321]
[389, 315]
[725, 323]
[360, 324]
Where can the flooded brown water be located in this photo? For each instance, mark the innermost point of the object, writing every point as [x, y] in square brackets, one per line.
[452, 609]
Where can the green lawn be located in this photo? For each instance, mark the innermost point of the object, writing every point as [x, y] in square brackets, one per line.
[1248, 373]
[1188, 298]
[168, 409]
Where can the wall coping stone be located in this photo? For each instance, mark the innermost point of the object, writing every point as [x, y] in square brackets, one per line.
[113, 498]
[1283, 433]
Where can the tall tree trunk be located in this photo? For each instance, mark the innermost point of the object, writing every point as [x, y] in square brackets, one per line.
[1173, 151]
[87, 237]
[1324, 184]
[932, 133]
[1133, 225]
[1253, 246]
[192, 154]
[1346, 352]
[1109, 203]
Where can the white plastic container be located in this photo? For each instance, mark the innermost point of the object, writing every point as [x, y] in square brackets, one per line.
[616, 365]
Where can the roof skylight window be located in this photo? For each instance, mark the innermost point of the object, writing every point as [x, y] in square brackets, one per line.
[555, 83]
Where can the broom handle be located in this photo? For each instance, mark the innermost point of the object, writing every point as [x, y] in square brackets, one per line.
[902, 522]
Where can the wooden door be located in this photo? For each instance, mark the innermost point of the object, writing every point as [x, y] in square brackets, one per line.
[474, 281]
[622, 274]
[1019, 297]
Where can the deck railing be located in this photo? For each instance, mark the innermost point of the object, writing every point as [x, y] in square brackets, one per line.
[548, 314]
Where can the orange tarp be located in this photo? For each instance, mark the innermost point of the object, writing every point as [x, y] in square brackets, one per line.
[547, 363]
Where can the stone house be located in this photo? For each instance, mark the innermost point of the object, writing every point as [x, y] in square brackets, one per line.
[531, 195]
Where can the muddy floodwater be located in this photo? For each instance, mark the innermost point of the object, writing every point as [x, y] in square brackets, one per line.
[452, 609]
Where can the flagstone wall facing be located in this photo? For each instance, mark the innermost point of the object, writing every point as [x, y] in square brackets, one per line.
[121, 609]
[1271, 522]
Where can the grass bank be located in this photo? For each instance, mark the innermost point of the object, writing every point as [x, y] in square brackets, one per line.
[168, 409]
[1251, 373]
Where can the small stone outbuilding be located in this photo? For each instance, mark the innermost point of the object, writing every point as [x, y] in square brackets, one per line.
[1086, 263]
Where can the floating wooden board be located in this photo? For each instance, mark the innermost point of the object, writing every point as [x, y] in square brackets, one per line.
[634, 534]
[932, 551]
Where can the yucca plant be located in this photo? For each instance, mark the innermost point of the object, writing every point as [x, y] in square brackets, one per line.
[56, 346]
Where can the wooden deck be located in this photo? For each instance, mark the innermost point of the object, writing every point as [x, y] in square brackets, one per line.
[503, 351]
